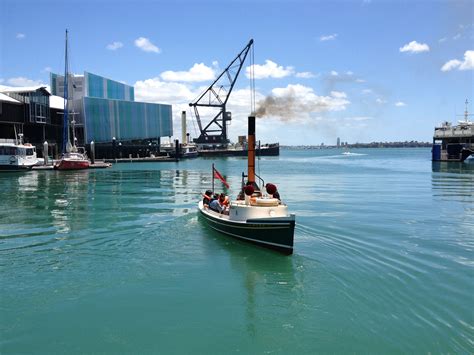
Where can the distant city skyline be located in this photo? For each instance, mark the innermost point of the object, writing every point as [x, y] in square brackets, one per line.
[360, 70]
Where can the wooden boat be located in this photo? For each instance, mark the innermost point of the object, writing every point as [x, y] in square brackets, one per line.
[256, 216]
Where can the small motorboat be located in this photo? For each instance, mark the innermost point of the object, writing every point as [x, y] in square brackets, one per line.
[17, 156]
[257, 215]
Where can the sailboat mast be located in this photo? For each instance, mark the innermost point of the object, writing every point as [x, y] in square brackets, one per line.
[66, 104]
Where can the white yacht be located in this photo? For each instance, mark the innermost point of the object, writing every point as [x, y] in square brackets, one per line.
[15, 156]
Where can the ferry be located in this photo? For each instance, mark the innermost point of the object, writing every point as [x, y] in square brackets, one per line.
[17, 156]
[454, 143]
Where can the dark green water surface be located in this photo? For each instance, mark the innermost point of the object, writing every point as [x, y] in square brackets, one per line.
[117, 260]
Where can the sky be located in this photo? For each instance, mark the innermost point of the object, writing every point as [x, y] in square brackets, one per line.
[362, 70]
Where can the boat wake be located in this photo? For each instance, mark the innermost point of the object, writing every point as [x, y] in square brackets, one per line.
[352, 154]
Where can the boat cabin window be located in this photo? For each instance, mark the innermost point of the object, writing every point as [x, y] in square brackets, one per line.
[29, 151]
[8, 151]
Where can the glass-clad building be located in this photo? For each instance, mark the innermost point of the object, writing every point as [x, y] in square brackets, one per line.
[106, 108]
[125, 120]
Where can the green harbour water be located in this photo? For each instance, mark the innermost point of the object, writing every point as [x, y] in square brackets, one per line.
[117, 261]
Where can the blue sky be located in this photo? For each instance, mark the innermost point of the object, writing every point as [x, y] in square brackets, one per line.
[359, 70]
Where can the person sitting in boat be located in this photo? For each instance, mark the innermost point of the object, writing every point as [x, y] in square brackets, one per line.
[216, 206]
[223, 200]
[224, 203]
[207, 198]
[273, 191]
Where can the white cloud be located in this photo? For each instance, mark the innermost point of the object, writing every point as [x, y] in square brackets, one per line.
[155, 90]
[367, 91]
[22, 81]
[328, 37]
[360, 81]
[145, 45]
[380, 101]
[415, 47]
[358, 118]
[400, 104]
[20, 36]
[338, 94]
[114, 46]
[450, 65]
[269, 70]
[467, 64]
[334, 73]
[198, 72]
[457, 36]
[305, 75]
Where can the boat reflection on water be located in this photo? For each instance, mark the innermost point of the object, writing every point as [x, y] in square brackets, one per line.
[271, 282]
[466, 167]
[453, 181]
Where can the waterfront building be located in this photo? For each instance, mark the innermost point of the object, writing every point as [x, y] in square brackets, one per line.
[33, 112]
[104, 111]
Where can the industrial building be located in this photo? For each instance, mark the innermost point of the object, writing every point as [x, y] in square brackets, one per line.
[104, 112]
[34, 113]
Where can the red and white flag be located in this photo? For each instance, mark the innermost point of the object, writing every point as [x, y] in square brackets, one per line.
[218, 175]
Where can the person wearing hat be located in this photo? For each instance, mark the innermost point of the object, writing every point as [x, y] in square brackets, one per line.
[273, 191]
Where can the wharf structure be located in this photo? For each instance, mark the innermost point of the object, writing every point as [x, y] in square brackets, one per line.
[104, 112]
[454, 143]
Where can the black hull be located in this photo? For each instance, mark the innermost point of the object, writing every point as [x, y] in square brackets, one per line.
[15, 168]
[466, 153]
[271, 151]
[271, 233]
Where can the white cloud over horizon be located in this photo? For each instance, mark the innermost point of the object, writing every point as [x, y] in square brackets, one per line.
[415, 47]
[305, 75]
[145, 45]
[114, 46]
[20, 36]
[23, 82]
[269, 70]
[330, 37]
[198, 72]
[400, 104]
[467, 64]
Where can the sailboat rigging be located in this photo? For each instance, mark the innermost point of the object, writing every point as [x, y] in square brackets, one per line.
[73, 158]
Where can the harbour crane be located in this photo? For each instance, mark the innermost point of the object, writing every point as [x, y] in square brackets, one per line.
[214, 98]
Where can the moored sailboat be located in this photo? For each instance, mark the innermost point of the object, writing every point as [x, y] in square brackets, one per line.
[73, 158]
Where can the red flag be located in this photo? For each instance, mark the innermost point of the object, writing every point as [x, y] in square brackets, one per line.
[218, 175]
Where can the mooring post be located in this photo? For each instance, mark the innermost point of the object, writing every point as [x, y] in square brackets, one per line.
[92, 152]
[176, 150]
[45, 152]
